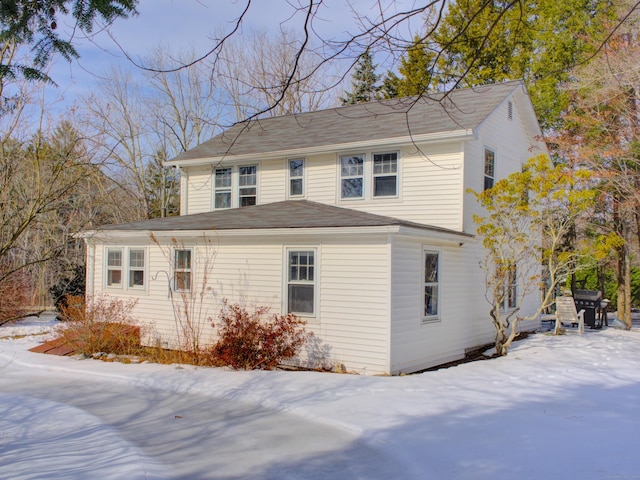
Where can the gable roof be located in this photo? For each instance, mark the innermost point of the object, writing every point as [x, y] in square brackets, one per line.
[396, 120]
[289, 214]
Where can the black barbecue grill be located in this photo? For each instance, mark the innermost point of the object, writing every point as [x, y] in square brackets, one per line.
[589, 301]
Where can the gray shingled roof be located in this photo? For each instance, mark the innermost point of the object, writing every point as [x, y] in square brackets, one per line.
[288, 214]
[464, 109]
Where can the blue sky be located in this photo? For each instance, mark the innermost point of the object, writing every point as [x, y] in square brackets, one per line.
[182, 24]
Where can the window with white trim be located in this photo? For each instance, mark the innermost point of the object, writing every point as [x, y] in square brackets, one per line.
[511, 287]
[136, 268]
[182, 269]
[222, 188]
[247, 185]
[301, 285]
[385, 174]
[114, 267]
[296, 177]
[431, 284]
[352, 176]
[489, 168]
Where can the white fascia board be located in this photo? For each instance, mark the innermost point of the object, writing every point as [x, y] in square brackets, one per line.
[463, 134]
[445, 238]
[142, 235]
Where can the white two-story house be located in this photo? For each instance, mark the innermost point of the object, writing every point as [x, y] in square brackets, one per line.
[357, 219]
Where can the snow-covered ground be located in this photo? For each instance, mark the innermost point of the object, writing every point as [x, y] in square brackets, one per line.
[555, 408]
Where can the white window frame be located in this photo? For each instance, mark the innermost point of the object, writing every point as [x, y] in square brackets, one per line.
[225, 189]
[235, 190]
[136, 268]
[384, 174]
[510, 299]
[287, 281]
[350, 176]
[126, 268]
[430, 318]
[176, 270]
[112, 268]
[296, 178]
[241, 187]
[485, 175]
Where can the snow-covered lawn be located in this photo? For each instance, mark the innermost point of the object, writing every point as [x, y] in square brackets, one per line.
[555, 408]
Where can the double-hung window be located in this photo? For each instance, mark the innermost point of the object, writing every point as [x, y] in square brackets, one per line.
[235, 186]
[489, 168]
[431, 274]
[182, 269]
[510, 300]
[247, 185]
[296, 177]
[385, 174]
[508, 286]
[301, 281]
[126, 267]
[352, 176]
[136, 268]
[114, 267]
[222, 188]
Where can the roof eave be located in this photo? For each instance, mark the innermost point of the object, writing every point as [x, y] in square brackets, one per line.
[449, 237]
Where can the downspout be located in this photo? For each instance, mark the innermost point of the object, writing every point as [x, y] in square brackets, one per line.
[91, 266]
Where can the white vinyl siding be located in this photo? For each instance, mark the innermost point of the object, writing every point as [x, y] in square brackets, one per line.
[465, 324]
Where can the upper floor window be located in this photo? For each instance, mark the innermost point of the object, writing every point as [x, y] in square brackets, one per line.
[385, 174]
[352, 176]
[222, 188]
[241, 180]
[182, 269]
[296, 177]
[431, 283]
[489, 168]
[247, 185]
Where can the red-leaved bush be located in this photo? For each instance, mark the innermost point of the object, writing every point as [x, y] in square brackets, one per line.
[251, 340]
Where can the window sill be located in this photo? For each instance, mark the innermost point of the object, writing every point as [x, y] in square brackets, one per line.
[430, 320]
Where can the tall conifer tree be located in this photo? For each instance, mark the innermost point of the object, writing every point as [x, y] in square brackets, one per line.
[364, 82]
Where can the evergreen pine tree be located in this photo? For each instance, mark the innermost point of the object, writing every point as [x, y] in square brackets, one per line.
[538, 41]
[364, 81]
